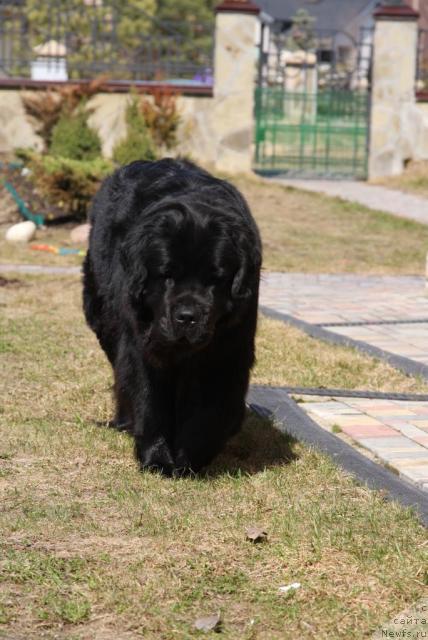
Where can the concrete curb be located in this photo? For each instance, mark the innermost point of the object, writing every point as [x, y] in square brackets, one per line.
[295, 422]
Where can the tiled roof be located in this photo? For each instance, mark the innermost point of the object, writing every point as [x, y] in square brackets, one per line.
[329, 14]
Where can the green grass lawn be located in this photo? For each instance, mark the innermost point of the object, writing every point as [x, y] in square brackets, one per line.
[92, 548]
[301, 232]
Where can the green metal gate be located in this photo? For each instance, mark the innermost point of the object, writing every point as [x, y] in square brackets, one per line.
[312, 108]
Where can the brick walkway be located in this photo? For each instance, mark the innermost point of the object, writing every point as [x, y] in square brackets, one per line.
[394, 432]
[325, 299]
[404, 205]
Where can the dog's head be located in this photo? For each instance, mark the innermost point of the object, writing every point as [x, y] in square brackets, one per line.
[190, 269]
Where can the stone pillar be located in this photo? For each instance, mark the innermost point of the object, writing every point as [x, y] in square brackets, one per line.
[393, 126]
[235, 69]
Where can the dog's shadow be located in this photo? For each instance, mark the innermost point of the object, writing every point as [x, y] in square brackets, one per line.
[259, 445]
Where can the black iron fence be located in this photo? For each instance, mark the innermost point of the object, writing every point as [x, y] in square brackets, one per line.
[80, 39]
[337, 58]
[422, 62]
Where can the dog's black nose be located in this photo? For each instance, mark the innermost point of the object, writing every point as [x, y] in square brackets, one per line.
[185, 315]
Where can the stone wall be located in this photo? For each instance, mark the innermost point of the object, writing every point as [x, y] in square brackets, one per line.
[215, 131]
[197, 134]
[16, 129]
[205, 134]
[399, 125]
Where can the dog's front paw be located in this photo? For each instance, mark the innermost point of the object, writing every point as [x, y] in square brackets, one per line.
[120, 425]
[155, 457]
[183, 466]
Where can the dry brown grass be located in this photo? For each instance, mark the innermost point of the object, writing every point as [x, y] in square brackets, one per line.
[91, 548]
[287, 356]
[312, 233]
[414, 179]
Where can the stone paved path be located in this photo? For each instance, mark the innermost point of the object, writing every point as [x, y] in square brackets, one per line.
[39, 269]
[376, 197]
[325, 299]
[395, 432]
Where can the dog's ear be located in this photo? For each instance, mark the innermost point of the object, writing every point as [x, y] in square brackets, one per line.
[239, 284]
[249, 264]
[135, 269]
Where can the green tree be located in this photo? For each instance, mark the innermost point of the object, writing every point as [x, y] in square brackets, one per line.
[138, 143]
[86, 29]
[73, 138]
[189, 11]
[193, 21]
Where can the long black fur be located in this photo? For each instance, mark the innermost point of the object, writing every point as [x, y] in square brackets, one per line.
[171, 284]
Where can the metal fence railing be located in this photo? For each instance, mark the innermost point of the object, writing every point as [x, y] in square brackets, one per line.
[82, 39]
[312, 104]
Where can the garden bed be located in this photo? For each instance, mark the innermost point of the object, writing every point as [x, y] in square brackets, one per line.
[28, 193]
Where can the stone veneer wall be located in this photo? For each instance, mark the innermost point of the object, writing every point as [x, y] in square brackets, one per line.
[205, 134]
[399, 125]
[216, 131]
[15, 128]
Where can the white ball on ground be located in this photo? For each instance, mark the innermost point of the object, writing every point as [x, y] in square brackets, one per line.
[21, 232]
[81, 233]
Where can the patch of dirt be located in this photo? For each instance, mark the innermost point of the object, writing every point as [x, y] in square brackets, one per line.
[85, 547]
[12, 283]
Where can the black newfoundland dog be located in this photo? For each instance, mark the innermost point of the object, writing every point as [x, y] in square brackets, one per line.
[171, 284]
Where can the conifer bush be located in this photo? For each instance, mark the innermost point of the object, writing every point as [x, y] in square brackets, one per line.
[73, 138]
[138, 143]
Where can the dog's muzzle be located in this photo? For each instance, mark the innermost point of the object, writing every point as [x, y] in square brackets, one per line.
[189, 322]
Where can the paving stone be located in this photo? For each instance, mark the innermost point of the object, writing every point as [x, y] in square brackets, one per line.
[358, 420]
[407, 417]
[420, 423]
[416, 474]
[368, 431]
[393, 443]
[411, 431]
[420, 411]
[331, 407]
[388, 412]
[397, 424]
[410, 456]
